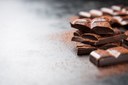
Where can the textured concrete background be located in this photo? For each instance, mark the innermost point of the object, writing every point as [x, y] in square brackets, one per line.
[35, 46]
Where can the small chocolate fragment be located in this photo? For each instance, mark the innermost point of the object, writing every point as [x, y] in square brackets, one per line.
[120, 13]
[96, 13]
[107, 11]
[110, 56]
[101, 27]
[81, 24]
[125, 9]
[85, 49]
[116, 8]
[84, 14]
[121, 20]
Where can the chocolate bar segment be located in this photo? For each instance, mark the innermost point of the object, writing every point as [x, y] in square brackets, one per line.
[101, 27]
[116, 7]
[83, 14]
[81, 24]
[85, 49]
[111, 39]
[95, 13]
[107, 11]
[110, 56]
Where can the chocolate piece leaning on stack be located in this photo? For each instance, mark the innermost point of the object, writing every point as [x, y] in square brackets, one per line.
[110, 56]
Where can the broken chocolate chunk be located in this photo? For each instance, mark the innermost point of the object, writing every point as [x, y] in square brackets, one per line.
[96, 13]
[107, 11]
[84, 14]
[110, 56]
[81, 24]
[85, 49]
[111, 39]
[102, 27]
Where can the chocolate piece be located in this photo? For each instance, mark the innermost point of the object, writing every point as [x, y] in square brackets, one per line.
[102, 27]
[96, 13]
[91, 36]
[116, 8]
[110, 56]
[81, 24]
[121, 20]
[118, 20]
[109, 45]
[107, 11]
[120, 13]
[111, 39]
[78, 33]
[100, 41]
[84, 14]
[82, 40]
[85, 49]
[125, 9]
[124, 22]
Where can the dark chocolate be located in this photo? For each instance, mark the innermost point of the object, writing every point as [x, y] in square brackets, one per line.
[101, 27]
[111, 39]
[100, 41]
[91, 36]
[82, 40]
[95, 13]
[107, 11]
[81, 24]
[109, 45]
[83, 14]
[85, 49]
[110, 56]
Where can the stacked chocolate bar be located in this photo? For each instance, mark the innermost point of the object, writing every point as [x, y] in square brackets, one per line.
[102, 34]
